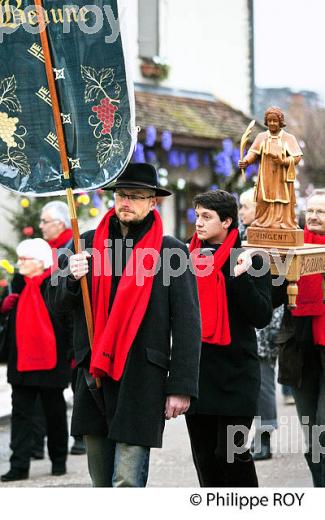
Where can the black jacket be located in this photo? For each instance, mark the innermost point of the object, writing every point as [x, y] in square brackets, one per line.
[230, 375]
[294, 341]
[156, 365]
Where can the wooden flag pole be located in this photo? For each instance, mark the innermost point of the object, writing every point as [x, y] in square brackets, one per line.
[65, 163]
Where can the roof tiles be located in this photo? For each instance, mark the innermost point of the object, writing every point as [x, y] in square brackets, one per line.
[189, 117]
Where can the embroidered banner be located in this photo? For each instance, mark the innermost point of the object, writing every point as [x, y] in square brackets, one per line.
[96, 98]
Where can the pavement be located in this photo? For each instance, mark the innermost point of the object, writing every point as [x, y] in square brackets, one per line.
[172, 465]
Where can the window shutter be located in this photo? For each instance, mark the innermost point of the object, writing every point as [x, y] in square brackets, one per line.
[148, 28]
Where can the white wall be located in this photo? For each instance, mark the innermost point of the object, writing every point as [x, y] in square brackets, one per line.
[7, 235]
[128, 14]
[168, 215]
[206, 44]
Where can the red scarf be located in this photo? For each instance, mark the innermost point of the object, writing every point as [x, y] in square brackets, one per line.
[58, 242]
[310, 299]
[61, 240]
[212, 293]
[115, 331]
[35, 338]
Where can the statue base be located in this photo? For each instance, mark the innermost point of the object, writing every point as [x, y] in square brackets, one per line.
[291, 263]
[269, 237]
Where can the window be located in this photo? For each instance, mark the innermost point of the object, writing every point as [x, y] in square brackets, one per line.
[148, 21]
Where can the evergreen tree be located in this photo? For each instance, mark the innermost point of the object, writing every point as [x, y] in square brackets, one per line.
[24, 220]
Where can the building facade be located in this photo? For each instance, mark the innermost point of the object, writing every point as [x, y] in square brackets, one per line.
[208, 46]
[192, 64]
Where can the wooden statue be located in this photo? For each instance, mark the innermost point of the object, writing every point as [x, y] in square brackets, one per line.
[278, 153]
[275, 228]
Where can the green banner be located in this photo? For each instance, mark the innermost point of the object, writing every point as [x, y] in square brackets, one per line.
[96, 99]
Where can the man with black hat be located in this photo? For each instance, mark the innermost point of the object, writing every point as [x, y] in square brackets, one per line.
[145, 377]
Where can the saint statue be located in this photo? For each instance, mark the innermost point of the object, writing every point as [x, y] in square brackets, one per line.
[278, 153]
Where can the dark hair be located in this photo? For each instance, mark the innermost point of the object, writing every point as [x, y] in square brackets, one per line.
[220, 201]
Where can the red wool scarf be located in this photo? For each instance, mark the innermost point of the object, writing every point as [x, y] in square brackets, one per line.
[310, 299]
[212, 293]
[115, 331]
[58, 242]
[35, 338]
[61, 240]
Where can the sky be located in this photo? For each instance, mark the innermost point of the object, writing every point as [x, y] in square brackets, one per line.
[290, 44]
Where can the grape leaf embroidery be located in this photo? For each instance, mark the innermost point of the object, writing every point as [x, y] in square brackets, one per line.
[96, 82]
[101, 86]
[8, 97]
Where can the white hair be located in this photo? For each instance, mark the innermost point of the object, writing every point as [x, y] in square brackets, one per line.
[248, 197]
[317, 192]
[36, 248]
[59, 211]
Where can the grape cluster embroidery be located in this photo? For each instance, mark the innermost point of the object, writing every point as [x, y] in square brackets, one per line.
[100, 85]
[12, 135]
[8, 126]
[106, 114]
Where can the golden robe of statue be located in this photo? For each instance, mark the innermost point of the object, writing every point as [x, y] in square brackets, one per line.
[275, 195]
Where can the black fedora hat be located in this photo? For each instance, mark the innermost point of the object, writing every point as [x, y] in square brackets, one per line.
[139, 175]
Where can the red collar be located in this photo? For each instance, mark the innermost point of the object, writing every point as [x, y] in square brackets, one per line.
[61, 240]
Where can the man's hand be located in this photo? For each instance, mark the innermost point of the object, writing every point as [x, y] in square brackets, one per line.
[244, 262]
[79, 264]
[176, 405]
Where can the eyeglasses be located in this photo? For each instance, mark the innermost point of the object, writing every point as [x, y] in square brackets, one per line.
[318, 212]
[24, 258]
[43, 221]
[121, 195]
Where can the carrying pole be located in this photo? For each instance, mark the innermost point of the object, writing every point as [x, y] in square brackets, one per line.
[65, 164]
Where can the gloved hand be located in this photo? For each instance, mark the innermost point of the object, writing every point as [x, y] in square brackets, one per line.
[9, 303]
[244, 263]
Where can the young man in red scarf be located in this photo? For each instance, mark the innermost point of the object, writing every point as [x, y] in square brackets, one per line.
[302, 352]
[232, 305]
[37, 345]
[145, 377]
[55, 225]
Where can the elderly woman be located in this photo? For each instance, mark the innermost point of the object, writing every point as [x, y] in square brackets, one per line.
[37, 346]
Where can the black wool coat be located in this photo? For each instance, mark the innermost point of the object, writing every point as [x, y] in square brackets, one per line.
[230, 375]
[295, 342]
[58, 377]
[163, 360]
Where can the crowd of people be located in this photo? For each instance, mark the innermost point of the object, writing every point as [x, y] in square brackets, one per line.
[174, 333]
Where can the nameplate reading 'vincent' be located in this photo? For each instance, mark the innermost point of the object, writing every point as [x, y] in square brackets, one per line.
[275, 237]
